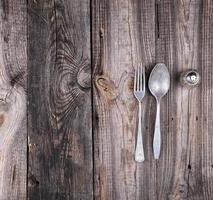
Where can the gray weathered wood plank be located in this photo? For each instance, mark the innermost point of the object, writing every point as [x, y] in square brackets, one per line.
[177, 46]
[123, 35]
[13, 99]
[177, 33]
[204, 139]
[60, 127]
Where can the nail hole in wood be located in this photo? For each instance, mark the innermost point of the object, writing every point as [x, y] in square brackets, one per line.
[33, 181]
[6, 39]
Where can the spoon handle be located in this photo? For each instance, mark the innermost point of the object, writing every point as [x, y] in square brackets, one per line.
[139, 151]
[157, 134]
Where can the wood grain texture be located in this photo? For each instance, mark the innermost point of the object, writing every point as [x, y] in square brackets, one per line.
[60, 128]
[177, 46]
[13, 104]
[81, 139]
[176, 33]
[123, 36]
[205, 155]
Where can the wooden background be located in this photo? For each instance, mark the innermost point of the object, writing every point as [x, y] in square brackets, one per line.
[67, 111]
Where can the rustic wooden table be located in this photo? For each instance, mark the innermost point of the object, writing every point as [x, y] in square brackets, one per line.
[67, 111]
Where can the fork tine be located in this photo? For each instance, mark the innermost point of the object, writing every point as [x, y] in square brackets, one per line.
[135, 80]
[138, 78]
[141, 78]
[144, 79]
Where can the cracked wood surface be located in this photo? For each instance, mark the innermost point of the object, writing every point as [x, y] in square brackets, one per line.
[176, 33]
[59, 114]
[80, 132]
[13, 96]
[122, 35]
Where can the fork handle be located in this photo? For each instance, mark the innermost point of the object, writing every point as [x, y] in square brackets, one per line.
[139, 151]
[157, 134]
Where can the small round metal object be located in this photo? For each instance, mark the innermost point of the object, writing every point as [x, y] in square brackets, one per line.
[190, 78]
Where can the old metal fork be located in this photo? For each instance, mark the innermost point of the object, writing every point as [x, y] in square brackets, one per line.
[139, 92]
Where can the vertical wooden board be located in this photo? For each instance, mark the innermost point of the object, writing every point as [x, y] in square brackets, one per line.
[206, 97]
[145, 15]
[178, 46]
[123, 34]
[165, 53]
[171, 182]
[187, 45]
[60, 128]
[13, 126]
[188, 171]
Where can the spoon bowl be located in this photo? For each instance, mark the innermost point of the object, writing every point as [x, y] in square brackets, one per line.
[159, 83]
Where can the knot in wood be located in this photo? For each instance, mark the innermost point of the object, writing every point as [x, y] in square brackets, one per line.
[106, 87]
[84, 77]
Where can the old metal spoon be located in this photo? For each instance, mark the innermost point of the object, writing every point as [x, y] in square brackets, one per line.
[159, 82]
